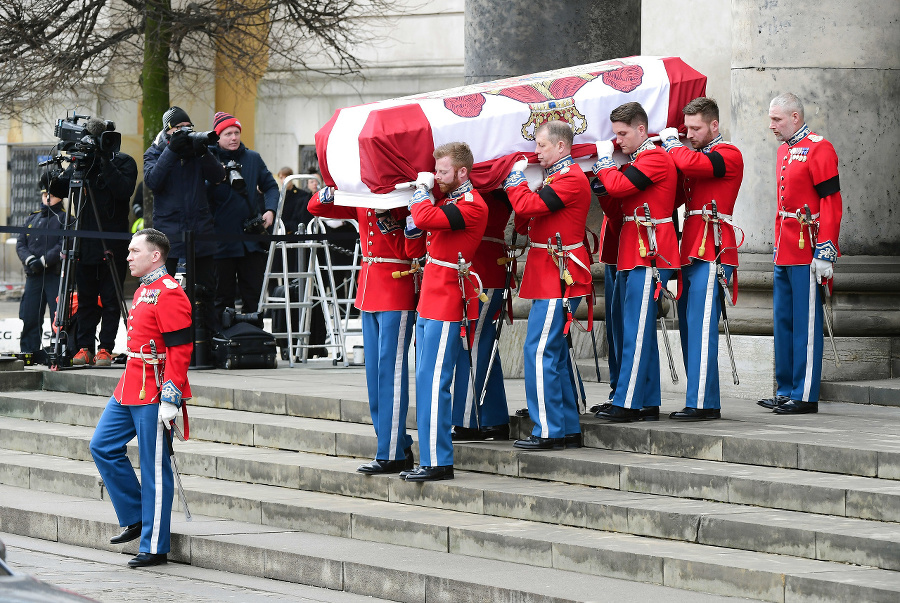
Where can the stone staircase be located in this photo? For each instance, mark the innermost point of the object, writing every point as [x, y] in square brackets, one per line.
[796, 509]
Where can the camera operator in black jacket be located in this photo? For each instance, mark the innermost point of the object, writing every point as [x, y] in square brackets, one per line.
[40, 256]
[110, 176]
[236, 210]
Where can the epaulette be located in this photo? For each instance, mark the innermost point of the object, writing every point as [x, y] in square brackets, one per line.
[169, 282]
[468, 197]
[815, 138]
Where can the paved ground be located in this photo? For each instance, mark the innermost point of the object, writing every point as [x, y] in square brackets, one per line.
[102, 576]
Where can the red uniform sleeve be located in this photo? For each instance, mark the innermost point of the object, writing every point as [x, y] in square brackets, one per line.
[823, 168]
[449, 216]
[174, 319]
[696, 164]
[551, 197]
[330, 210]
[631, 179]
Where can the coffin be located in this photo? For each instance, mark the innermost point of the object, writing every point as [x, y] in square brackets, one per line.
[367, 151]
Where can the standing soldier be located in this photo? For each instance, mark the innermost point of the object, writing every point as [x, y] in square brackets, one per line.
[642, 192]
[554, 218]
[713, 172]
[491, 264]
[448, 302]
[806, 246]
[146, 401]
[387, 309]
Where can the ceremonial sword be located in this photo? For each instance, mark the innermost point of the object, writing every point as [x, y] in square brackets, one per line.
[168, 436]
[723, 286]
[565, 278]
[822, 286]
[464, 329]
[651, 240]
[500, 319]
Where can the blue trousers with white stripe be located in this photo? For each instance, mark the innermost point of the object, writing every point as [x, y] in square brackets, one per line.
[437, 349]
[613, 325]
[798, 333]
[550, 388]
[699, 308]
[149, 501]
[494, 411]
[638, 385]
[386, 338]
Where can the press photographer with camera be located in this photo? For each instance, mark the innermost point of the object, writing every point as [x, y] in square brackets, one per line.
[110, 177]
[237, 209]
[40, 257]
[176, 168]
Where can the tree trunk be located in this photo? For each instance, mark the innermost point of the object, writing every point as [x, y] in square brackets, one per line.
[155, 80]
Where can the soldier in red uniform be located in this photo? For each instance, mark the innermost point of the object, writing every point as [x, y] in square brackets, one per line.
[146, 401]
[558, 209]
[641, 194]
[806, 246]
[387, 310]
[492, 422]
[713, 172]
[448, 301]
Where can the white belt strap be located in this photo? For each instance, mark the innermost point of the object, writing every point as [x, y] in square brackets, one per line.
[453, 265]
[133, 354]
[377, 260]
[653, 221]
[797, 215]
[700, 212]
[564, 247]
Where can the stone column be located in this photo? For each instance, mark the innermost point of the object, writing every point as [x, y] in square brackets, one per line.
[504, 38]
[843, 60]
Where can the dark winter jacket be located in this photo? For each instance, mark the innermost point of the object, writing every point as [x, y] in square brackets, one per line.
[231, 208]
[45, 247]
[179, 195]
[112, 183]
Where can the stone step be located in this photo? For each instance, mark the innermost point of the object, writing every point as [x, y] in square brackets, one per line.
[791, 489]
[475, 560]
[429, 512]
[884, 392]
[841, 438]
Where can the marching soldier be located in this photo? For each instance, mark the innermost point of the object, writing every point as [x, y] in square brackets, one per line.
[713, 172]
[806, 246]
[387, 310]
[491, 264]
[146, 401]
[447, 304]
[641, 194]
[554, 219]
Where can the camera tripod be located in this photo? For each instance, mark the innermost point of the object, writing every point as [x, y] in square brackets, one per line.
[62, 346]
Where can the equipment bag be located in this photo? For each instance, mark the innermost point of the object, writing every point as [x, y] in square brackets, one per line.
[244, 346]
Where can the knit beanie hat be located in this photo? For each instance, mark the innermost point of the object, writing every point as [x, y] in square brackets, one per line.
[174, 116]
[223, 120]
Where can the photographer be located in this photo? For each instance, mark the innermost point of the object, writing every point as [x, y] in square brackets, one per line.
[110, 176]
[176, 168]
[40, 256]
[236, 210]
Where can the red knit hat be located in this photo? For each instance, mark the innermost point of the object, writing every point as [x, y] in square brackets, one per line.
[223, 120]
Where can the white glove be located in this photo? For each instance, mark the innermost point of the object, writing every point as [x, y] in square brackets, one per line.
[426, 180]
[822, 269]
[167, 413]
[520, 165]
[669, 138]
[326, 195]
[604, 156]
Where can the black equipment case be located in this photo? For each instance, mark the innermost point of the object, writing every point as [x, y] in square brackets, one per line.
[244, 346]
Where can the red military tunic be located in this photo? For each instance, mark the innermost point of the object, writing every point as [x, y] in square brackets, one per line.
[714, 173]
[807, 174]
[560, 206]
[377, 290]
[160, 311]
[453, 225]
[493, 245]
[649, 178]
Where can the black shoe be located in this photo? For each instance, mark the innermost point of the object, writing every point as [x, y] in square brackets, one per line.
[495, 433]
[796, 407]
[382, 466]
[536, 443]
[771, 403]
[128, 534]
[465, 434]
[522, 412]
[148, 559]
[409, 471]
[696, 414]
[598, 407]
[573, 440]
[430, 474]
[620, 414]
[650, 413]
